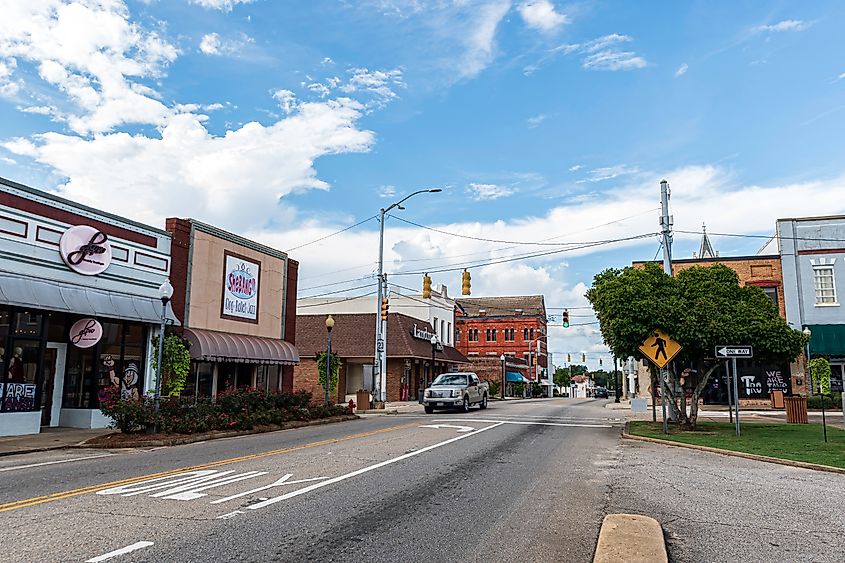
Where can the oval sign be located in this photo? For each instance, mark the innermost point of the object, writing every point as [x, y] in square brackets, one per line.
[85, 333]
[85, 250]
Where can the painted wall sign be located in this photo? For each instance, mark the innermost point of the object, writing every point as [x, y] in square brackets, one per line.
[85, 333]
[422, 333]
[85, 250]
[241, 278]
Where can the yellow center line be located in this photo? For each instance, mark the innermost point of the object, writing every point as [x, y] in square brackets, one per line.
[103, 486]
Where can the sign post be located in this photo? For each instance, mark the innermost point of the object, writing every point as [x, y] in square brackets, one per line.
[660, 349]
[734, 352]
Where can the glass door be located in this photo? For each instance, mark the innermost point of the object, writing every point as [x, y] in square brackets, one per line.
[53, 374]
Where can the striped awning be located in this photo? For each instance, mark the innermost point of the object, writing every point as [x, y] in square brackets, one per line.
[213, 346]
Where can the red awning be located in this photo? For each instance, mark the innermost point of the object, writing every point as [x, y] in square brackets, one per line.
[213, 346]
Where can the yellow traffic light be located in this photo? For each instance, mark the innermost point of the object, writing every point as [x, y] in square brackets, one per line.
[466, 286]
[426, 293]
[384, 307]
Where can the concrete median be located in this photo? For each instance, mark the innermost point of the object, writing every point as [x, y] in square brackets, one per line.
[630, 538]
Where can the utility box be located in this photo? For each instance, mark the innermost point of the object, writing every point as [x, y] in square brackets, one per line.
[777, 399]
[362, 397]
[796, 410]
[639, 405]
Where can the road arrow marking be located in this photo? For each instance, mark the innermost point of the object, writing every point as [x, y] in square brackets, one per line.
[458, 428]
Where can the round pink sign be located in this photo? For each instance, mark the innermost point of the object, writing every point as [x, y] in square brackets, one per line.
[85, 250]
[85, 333]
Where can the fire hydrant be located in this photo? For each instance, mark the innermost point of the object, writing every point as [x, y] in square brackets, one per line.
[351, 406]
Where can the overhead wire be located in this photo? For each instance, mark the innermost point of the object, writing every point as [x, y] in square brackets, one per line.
[332, 234]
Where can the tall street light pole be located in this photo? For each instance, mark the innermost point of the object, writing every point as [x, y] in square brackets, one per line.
[433, 350]
[165, 292]
[380, 359]
[502, 390]
[329, 327]
[808, 333]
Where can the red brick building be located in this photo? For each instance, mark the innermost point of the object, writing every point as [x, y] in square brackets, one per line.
[409, 355]
[487, 327]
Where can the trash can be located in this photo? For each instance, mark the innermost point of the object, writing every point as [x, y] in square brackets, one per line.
[796, 410]
[777, 399]
[420, 395]
[363, 399]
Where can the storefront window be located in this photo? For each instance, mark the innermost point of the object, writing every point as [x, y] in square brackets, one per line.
[28, 324]
[57, 328]
[5, 319]
[133, 361]
[79, 387]
[267, 377]
[22, 376]
[200, 380]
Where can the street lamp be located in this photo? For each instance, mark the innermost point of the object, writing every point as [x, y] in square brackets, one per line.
[165, 292]
[502, 390]
[433, 350]
[808, 333]
[381, 345]
[329, 327]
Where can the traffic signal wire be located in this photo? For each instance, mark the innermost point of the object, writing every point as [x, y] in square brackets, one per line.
[769, 237]
[350, 298]
[332, 234]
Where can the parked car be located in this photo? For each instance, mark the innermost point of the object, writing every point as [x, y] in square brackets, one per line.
[456, 390]
[601, 393]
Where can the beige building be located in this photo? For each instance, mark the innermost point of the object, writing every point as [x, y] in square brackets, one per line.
[236, 300]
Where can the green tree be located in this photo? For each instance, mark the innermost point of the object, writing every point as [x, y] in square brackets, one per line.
[701, 307]
[820, 368]
[561, 377]
[176, 362]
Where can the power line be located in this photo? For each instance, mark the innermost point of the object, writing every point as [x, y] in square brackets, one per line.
[336, 292]
[331, 235]
[740, 235]
[334, 283]
[338, 301]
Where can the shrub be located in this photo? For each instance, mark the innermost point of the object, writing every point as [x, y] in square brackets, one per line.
[494, 388]
[128, 414]
[834, 403]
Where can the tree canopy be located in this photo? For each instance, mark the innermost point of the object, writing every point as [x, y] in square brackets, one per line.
[701, 308]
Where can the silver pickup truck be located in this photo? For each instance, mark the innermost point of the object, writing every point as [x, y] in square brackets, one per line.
[456, 390]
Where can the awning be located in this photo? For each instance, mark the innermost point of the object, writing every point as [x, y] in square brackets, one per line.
[57, 296]
[213, 346]
[514, 377]
[827, 340]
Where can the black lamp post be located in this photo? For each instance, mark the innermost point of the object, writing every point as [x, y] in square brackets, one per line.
[329, 327]
[616, 381]
[165, 292]
[502, 391]
[433, 350]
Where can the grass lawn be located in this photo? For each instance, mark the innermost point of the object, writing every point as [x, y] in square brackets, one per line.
[798, 442]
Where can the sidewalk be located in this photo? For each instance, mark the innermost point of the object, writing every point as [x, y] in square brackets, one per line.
[49, 439]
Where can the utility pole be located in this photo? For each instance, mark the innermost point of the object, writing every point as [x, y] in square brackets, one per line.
[666, 221]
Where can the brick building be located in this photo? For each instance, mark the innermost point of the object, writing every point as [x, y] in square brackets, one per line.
[409, 354]
[488, 327]
[757, 378]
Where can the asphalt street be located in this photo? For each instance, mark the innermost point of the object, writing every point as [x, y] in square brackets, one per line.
[520, 481]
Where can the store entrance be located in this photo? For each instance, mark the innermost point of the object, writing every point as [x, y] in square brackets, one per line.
[52, 382]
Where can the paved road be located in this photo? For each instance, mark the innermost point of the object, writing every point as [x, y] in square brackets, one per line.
[523, 481]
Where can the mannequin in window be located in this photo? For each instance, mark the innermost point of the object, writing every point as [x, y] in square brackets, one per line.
[16, 367]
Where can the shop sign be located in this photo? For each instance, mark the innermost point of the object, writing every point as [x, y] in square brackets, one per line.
[423, 334]
[85, 250]
[240, 288]
[85, 333]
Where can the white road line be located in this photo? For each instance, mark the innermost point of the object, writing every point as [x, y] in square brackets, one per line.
[456, 427]
[531, 423]
[55, 462]
[121, 551]
[367, 469]
[282, 481]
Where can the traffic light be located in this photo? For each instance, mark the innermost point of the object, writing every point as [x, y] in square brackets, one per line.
[465, 283]
[384, 307]
[583, 358]
[600, 361]
[568, 358]
[426, 293]
[565, 319]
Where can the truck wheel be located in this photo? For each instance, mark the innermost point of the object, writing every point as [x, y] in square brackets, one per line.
[483, 404]
[429, 410]
[465, 406]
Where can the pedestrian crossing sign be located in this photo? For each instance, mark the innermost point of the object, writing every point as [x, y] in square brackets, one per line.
[659, 348]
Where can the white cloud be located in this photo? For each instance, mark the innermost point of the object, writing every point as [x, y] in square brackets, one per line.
[536, 120]
[212, 44]
[541, 15]
[327, 61]
[604, 53]
[483, 192]
[94, 55]
[287, 100]
[785, 25]
[479, 41]
[576, 167]
[387, 191]
[610, 172]
[377, 82]
[682, 70]
[222, 5]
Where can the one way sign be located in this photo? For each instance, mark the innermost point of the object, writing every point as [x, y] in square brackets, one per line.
[734, 352]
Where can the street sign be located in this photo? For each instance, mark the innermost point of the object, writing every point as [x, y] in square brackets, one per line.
[659, 348]
[734, 352]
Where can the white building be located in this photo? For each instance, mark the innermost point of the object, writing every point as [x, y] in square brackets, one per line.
[439, 310]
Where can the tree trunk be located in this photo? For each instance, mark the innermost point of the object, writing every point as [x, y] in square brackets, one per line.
[693, 415]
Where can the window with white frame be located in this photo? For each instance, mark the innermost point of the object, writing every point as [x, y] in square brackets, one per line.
[824, 282]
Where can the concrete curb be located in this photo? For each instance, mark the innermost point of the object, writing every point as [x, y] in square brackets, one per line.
[193, 438]
[380, 412]
[754, 457]
[630, 538]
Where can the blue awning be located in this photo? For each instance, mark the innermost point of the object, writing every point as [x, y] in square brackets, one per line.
[514, 377]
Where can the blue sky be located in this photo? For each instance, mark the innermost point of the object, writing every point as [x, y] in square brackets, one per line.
[287, 121]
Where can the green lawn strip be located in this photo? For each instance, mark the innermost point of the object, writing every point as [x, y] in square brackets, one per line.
[797, 442]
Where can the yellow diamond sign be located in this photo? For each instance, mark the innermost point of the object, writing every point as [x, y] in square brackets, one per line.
[659, 348]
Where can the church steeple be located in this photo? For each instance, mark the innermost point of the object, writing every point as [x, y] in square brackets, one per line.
[706, 250]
